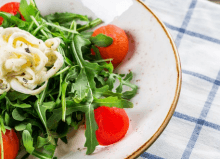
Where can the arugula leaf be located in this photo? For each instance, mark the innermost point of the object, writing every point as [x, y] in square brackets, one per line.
[29, 128]
[92, 71]
[17, 114]
[23, 105]
[100, 91]
[102, 62]
[89, 25]
[49, 150]
[13, 95]
[63, 99]
[81, 86]
[111, 80]
[65, 17]
[7, 118]
[41, 109]
[28, 10]
[40, 27]
[10, 20]
[43, 141]
[54, 119]
[3, 96]
[28, 141]
[86, 35]
[91, 127]
[101, 40]
[69, 120]
[76, 45]
[49, 105]
[72, 75]
[113, 102]
[64, 84]
[22, 126]
[41, 155]
[126, 82]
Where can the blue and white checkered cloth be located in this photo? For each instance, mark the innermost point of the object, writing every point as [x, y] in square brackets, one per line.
[194, 130]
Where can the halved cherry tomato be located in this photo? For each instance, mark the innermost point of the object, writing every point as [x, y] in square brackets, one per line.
[118, 49]
[10, 144]
[12, 8]
[113, 124]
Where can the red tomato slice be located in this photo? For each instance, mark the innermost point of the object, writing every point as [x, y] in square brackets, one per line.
[10, 144]
[113, 124]
[12, 8]
[118, 49]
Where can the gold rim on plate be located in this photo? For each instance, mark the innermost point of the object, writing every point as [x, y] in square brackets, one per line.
[146, 145]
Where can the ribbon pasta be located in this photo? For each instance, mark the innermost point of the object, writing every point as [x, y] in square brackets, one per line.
[24, 61]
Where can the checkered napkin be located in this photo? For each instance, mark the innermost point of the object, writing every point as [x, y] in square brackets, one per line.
[194, 130]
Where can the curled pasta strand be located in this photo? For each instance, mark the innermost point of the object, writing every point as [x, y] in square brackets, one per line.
[57, 65]
[24, 80]
[17, 86]
[42, 58]
[53, 43]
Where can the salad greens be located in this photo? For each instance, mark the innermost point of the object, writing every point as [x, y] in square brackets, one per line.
[84, 83]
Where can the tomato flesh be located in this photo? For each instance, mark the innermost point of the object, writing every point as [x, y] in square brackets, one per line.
[118, 49]
[10, 144]
[113, 124]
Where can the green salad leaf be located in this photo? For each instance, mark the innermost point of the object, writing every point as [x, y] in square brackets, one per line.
[81, 86]
[63, 18]
[113, 102]
[28, 141]
[91, 127]
[101, 40]
[17, 114]
[28, 10]
[41, 108]
[12, 21]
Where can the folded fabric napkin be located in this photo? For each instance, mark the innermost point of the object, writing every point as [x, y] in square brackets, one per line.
[194, 130]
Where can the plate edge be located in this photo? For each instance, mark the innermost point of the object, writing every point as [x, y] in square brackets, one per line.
[146, 145]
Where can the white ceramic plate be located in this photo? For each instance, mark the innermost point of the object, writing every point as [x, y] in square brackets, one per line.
[152, 58]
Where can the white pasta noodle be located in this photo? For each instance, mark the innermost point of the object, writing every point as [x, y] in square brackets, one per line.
[24, 60]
